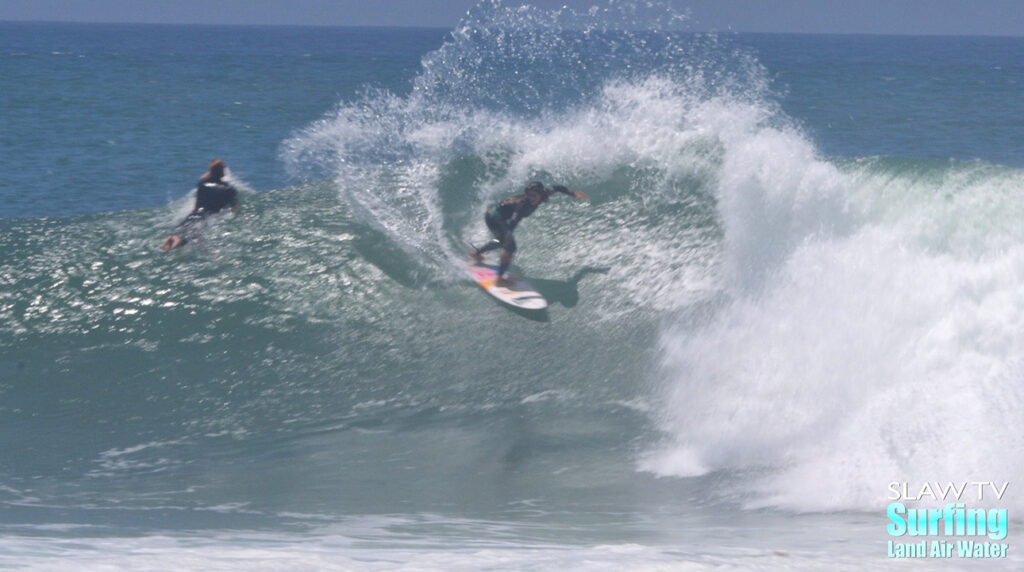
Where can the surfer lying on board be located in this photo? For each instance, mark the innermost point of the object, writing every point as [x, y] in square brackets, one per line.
[212, 195]
[503, 217]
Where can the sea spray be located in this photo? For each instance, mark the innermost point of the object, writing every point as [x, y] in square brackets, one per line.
[619, 100]
[873, 348]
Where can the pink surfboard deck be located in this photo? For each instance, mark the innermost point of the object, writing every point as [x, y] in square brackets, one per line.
[516, 292]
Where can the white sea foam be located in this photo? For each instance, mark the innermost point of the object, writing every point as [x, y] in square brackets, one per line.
[874, 334]
[369, 546]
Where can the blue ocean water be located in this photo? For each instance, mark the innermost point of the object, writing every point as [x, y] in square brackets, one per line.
[100, 118]
[797, 281]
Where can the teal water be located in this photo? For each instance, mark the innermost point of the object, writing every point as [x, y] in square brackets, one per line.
[796, 281]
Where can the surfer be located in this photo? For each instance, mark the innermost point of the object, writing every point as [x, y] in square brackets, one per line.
[213, 194]
[503, 218]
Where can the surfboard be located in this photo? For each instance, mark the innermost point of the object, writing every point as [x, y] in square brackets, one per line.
[517, 292]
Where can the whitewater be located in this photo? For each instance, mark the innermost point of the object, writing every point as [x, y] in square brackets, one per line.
[798, 280]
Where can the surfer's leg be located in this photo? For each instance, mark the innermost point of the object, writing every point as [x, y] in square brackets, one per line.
[188, 231]
[494, 243]
[507, 252]
[500, 232]
[506, 261]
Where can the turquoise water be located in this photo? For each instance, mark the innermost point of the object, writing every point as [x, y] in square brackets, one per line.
[796, 282]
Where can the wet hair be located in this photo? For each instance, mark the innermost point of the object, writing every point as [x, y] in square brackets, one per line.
[216, 168]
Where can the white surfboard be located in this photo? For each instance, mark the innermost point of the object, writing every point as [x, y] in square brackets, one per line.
[517, 292]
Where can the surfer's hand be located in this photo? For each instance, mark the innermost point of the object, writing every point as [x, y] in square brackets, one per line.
[581, 195]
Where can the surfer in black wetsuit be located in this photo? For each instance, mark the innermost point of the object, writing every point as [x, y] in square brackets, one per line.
[213, 194]
[503, 218]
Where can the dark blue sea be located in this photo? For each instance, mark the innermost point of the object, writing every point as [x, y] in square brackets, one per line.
[798, 280]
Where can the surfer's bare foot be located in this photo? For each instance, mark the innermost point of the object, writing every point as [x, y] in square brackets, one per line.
[171, 242]
[476, 256]
[501, 282]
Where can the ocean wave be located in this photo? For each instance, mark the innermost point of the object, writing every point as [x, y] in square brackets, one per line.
[882, 342]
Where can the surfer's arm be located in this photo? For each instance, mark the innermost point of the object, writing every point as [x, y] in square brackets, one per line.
[565, 191]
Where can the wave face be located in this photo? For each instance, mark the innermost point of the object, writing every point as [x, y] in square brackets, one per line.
[852, 299]
[737, 322]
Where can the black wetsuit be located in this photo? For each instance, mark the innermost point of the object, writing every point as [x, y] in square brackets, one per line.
[212, 196]
[503, 218]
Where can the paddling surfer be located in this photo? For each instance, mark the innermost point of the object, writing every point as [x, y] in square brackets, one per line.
[213, 194]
